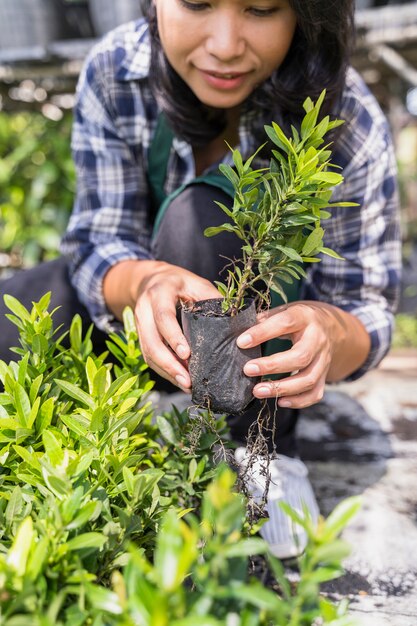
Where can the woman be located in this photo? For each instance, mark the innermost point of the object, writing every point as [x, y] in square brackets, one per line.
[202, 73]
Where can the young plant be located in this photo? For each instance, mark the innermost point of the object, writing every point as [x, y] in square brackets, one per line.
[277, 211]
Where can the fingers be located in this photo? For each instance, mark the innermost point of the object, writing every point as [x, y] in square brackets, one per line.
[303, 389]
[157, 354]
[163, 344]
[309, 358]
[282, 323]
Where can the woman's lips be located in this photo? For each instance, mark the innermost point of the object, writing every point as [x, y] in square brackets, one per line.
[224, 80]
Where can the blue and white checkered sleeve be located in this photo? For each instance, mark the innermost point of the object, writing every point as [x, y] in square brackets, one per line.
[366, 283]
[109, 220]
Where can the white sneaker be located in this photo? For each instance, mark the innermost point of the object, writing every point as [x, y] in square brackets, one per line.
[289, 483]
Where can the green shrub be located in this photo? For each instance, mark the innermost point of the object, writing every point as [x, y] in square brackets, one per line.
[109, 517]
[37, 183]
[405, 333]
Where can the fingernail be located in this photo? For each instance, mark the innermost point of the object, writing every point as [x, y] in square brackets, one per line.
[286, 404]
[182, 351]
[244, 340]
[181, 380]
[251, 369]
[262, 391]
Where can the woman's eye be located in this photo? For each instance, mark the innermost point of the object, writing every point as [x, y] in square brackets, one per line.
[259, 12]
[194, 6]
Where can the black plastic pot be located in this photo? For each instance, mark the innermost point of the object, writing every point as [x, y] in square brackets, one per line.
[216, 363]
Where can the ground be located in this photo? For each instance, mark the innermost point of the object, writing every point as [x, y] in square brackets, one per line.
[362, 439]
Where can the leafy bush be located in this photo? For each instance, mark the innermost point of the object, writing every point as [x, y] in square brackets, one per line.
[109, 517]
[405, 333]
[37, 183]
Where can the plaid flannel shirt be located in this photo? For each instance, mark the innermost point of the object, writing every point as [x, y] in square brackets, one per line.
[114, 121]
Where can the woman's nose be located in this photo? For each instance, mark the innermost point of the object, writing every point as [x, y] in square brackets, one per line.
[225, 40]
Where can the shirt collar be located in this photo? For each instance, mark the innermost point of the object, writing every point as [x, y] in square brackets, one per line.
[135, 63]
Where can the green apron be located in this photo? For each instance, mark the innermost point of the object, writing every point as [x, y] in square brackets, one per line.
[159, 153]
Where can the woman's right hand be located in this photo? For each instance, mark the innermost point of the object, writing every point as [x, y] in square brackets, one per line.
[154, 289]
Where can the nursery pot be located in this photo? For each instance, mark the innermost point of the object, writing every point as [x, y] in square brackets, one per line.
[216, 362]
[107, 14]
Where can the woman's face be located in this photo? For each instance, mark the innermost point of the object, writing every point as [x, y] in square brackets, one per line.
[223, 49]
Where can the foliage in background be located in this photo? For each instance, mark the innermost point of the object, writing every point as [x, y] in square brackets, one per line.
[93, 491]
[37, 183]
[405, 333]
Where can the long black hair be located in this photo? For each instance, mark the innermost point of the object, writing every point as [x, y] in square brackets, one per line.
[317, 60]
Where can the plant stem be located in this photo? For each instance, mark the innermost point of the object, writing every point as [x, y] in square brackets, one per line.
[246, 280]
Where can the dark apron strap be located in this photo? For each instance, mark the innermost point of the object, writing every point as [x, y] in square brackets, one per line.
[158, 157]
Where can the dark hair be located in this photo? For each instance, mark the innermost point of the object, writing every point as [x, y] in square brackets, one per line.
[317, 60]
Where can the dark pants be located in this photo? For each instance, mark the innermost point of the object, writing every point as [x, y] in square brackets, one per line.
[179, 241]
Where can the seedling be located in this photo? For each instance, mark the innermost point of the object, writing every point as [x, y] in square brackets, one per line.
[277, 211]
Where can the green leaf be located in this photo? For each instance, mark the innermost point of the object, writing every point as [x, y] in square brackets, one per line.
[121, 385]
[310, 259]
[14, 506]
[224, 208]
[333, 552]
[333, 178]
[39, 344]
[257, 595]
[103, 599]
[331, 253]
[129, 480]
[90, 370]
[22, 404]
[55, 484]
[197, 620]
[44, 417]
[341, 516]
[129, 321]
[75, 425]
[53, 448]
[18, 554]
[237, 160]
[229, 172]
[309, 122]
[87, 514]
[29, 457]
[78, 394]
[192, 470]
[33, 413]
[215, 230]
[38, 558]
[176, 550]
[278, 137]
[34, 388]
[8, 423]
[246, 547]
[289, 252]
[324, 574]
[279, 573]
[17, 308]
[76, 333]
[101, 382]
[86, 540]
[126, 405]
[313, 242]
[166, 430]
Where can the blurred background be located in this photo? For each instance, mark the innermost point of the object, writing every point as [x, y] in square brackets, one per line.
[42, 47]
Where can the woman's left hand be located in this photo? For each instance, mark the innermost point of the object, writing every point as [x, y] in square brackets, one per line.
[309, 327]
